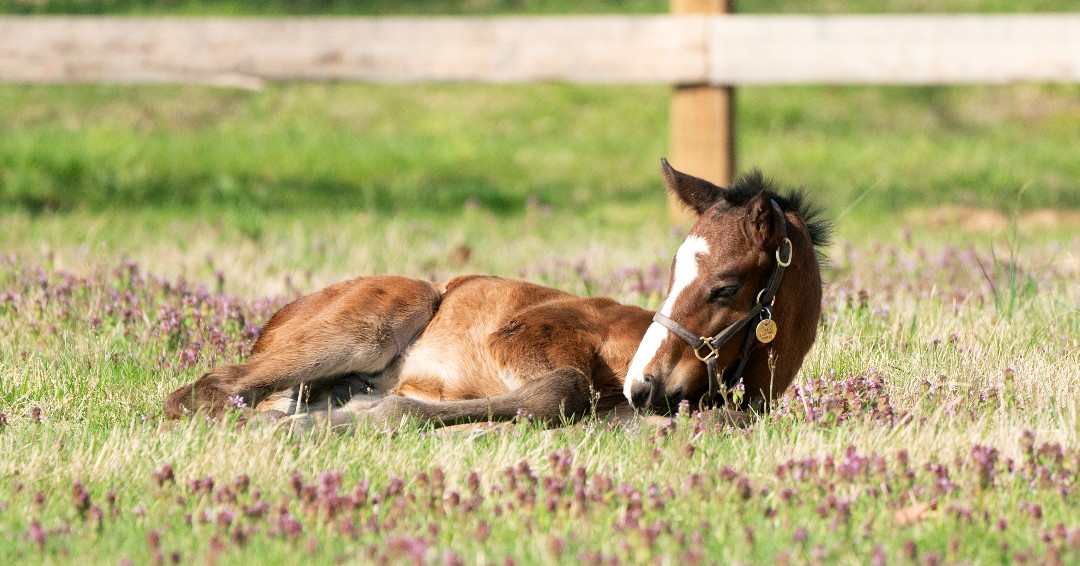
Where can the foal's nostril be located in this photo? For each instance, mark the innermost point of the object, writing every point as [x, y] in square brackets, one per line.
[641, 392]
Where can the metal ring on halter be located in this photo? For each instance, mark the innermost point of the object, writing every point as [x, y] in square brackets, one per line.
[766, 312]
[758, 299]
[784, 262]
[713, 352]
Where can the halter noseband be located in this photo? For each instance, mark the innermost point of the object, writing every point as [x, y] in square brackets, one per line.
[708, 349]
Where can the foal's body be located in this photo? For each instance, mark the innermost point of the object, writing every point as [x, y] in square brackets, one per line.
[481, 348]
[482, 339]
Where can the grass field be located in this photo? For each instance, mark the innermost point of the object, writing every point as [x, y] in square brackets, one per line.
[935, 420]
[146, 233]
[439, 147]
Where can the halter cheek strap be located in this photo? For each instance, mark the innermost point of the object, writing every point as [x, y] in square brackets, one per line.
[708, 349]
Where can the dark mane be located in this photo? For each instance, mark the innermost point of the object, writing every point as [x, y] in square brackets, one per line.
[753, 183]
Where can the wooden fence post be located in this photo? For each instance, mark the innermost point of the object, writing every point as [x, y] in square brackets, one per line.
[702, 121]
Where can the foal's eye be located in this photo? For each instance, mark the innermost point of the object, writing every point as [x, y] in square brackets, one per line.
[720, 294]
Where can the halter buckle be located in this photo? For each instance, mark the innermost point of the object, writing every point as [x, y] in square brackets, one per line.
[712, 353]
[784, 262]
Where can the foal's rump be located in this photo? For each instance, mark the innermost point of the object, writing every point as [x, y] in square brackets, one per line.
[377, 314]
[350, 329]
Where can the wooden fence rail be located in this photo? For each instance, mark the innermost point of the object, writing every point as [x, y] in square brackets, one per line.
[692, 50]
[686, 49]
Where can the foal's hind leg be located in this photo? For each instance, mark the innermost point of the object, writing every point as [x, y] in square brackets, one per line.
[353, 327]
[564, 394]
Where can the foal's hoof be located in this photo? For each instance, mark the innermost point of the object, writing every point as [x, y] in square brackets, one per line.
[179, 402]
[199, 396]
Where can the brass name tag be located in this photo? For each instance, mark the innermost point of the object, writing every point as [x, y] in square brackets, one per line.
[765, 331]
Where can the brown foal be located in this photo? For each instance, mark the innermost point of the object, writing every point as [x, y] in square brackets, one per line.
[744, 298]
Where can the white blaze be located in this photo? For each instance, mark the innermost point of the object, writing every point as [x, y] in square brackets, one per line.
[686, 270]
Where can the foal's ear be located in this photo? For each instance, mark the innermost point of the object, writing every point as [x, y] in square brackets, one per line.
[698, 194]
[764, 222]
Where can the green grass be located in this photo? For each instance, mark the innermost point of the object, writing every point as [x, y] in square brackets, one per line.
[910, 329]
[439, 147]
[361, 147]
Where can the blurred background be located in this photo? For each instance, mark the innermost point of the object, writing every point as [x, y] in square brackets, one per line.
[434, 148]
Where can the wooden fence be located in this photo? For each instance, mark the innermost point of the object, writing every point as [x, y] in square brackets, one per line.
[702, 55]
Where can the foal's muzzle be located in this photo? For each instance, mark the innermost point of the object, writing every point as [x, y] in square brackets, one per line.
[642, 392]
[650, 394]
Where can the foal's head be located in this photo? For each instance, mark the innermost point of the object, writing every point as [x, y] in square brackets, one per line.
[720, 291]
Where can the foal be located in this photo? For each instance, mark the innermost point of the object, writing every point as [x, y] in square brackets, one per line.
[743, 305]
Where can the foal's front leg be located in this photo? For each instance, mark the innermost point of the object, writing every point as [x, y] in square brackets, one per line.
[556, 397]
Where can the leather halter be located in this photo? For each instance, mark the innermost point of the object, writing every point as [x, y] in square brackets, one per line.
[708, 349]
